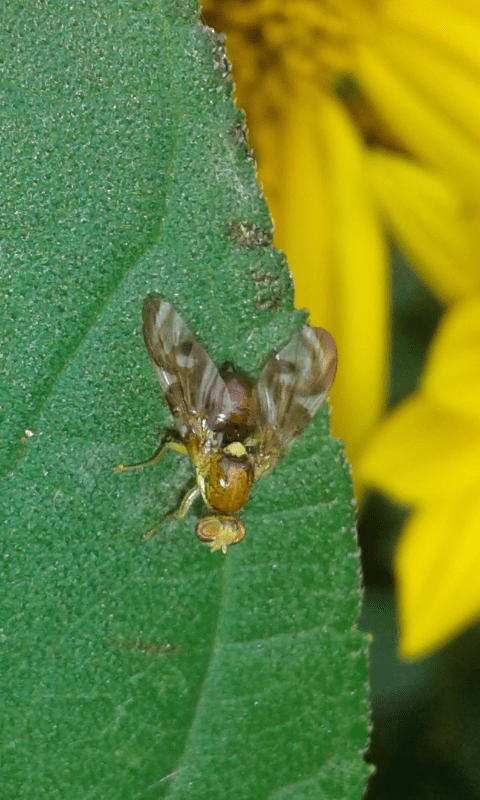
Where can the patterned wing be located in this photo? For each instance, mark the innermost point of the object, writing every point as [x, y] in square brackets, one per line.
[197, 395]
[291, 388]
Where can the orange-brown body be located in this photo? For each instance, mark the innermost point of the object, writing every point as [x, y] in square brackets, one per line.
[229, 483]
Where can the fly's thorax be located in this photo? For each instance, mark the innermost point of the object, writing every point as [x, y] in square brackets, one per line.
[241, 419]
[230, 480]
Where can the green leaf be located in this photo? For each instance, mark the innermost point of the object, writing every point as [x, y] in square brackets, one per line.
[153, 669]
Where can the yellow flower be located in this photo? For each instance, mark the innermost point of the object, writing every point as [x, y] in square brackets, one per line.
[427, 454]
[364, 115]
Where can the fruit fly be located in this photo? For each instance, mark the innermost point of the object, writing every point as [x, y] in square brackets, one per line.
[234, 432]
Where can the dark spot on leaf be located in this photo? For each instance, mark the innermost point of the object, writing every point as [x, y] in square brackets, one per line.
[248, 235]
[240, 136]
[268, 294]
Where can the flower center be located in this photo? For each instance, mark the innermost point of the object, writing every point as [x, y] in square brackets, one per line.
[294, 40]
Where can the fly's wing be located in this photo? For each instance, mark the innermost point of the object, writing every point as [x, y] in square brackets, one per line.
[196, 394]
[291, 388]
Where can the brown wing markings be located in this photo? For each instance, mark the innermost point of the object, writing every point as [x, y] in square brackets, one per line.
[291, 388]
[195, 391]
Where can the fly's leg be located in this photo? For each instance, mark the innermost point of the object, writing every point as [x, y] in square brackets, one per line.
[185, 504]
[158, 454]
[179, 514]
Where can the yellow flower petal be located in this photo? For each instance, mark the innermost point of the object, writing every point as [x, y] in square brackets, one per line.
[430, 221]
[429, 98]
[453, 26]
[452, 377]
[438, 567]
[422, 453]
[327, 225]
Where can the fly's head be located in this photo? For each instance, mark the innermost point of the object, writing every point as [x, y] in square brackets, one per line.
[220, 531]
